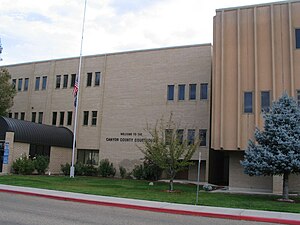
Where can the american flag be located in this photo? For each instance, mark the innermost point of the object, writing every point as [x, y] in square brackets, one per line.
[75, 90]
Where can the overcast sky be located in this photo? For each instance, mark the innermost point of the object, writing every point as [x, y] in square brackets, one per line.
[32, 30]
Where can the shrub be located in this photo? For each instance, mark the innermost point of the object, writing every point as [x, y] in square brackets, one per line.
[79, 169]
[122, 172]
[138, 172]
[23, 165]
[41, 164]
[90, 170]
[65, 169]
[106, 168]
[151, 171]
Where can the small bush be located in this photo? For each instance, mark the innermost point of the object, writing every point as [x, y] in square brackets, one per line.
[90, 170]
[79, 169]
[41, 164]
[65, 168]
[106, 169]
[23, 165]
[138, 172]
[122, 172]
[151, 171]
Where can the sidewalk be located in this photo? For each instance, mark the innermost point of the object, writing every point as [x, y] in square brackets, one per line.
[163, 207]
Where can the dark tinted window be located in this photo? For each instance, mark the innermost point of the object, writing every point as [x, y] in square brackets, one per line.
[170, 94]
[192, 95]
[248, 104]
[203, 91]
[181, 91]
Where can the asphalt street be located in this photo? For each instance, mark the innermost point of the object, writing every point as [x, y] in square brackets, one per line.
[28, 210]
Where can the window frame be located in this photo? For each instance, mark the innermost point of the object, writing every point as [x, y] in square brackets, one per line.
[181, 92]
[263, 106]
[297, 38]
[191, 136]
[40, 117]
[88, 155]
[61, 118]
[33, 117]
[170, 92]
[54, 118]
[37, 83]
[26, 84]
[203, 91]
[73, 79]
[58, 82]
[246, 105]
[22, 116]
[65, 81]
[20, 84]
[44, 82]
[69, 118]
[85, 118]
[94, 118]
[89, 79]
[97, 78]
[192, 91]
[202, 137]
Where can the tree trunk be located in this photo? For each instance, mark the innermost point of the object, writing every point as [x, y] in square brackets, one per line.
[171, 187]
[285, 191]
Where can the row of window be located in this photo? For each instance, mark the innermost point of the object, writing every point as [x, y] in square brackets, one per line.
[63, 81]
[192, 92]
[265, 101]
[86, 118]
[23, 86]
[35, 116]
[190, 136]
[41, 82]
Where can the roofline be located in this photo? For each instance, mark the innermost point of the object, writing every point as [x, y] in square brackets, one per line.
[256, 5]
[113, 53]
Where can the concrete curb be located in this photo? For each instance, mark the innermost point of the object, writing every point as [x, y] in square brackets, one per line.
[215, 212]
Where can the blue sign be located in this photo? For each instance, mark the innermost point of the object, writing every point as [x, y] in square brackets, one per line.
[6, 153]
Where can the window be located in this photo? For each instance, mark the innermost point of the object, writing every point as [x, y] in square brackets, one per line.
[97, 78]
[265, 101]
[202, 137]
[94, 118]
[73, 78]
[62, 118]
[58, 80]
[297, 33]
[85, 118]
[179, 135]
[191, 136]
[168, 136]
[16, 115]
[170, 94]
[65, 83]
[44, 83]
[69, 121]
[20, 83]
[204, 91]
[248, 102]
[33, 117]
[89, 79]
[192, 95]
[40, 119]
[35, 150]
[22, 115]
[90, 157]
[181, 91]
[298, 97]
[14, 83]
[10, 115]
[37, 83]
[54, 118]
[26, 84]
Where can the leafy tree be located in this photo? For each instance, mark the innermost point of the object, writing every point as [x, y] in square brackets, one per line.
[277, 147]
[167, 149]
[7, 92]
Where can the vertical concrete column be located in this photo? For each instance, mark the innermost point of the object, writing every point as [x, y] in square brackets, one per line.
[277, 184]
[9, 137]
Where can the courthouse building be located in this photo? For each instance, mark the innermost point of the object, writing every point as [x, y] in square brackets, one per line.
[217, 93]
[120, 93]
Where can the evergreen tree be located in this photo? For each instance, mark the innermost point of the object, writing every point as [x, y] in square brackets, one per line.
[7, 92]
[277, 147]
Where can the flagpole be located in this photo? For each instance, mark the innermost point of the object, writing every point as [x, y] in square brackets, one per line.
[72, 169]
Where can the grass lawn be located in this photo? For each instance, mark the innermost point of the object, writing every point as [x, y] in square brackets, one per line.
[137, 189]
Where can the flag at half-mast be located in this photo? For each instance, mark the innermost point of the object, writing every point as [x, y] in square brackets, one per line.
[75, 91]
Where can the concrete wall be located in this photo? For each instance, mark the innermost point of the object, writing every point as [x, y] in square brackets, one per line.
[59, 156]
[240, 181]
